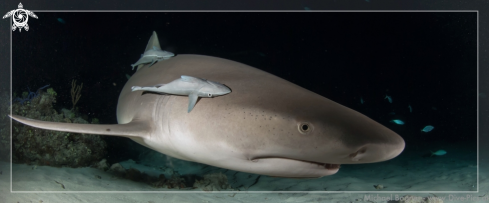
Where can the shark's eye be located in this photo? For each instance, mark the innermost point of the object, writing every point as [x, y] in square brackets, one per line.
[305, 128]
[209, 95]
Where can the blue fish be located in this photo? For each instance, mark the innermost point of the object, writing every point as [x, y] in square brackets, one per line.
[361, 100]
[61, 20]
[388, 98]
[439, 152]
[427, 128]
[398, 122]
[410, 109]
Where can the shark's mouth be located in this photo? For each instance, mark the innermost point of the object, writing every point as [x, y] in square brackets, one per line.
[317, 164]
[325, 165]
[293, 168]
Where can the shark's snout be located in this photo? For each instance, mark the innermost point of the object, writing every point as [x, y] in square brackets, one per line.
[341, 136]
[377, 152]
[135, 88]
[223, 90]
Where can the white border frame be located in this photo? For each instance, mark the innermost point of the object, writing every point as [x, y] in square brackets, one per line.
[251, 11]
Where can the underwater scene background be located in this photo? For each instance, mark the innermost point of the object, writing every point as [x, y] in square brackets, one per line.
[405, 70]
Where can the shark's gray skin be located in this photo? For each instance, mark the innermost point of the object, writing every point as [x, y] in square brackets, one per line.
[152, 54]
[267, 126]
[189, 86]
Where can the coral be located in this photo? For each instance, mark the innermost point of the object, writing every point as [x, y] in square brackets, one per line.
[213, 182]
[28, 96]
[51, 92]
[117, 168]
[4, 125]
[160, 182]
[102, 165]
[53, 148]
[68, 113]
[134, 175]
[75, 92]
[5, 143]
[175, 181]
[95, 121]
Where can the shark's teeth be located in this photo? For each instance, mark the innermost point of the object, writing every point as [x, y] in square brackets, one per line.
[327, 165]
[332, 166]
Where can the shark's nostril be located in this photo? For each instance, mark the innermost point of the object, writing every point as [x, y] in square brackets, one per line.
[353, 156]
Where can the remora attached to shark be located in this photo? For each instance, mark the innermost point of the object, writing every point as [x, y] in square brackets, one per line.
[267, 126]
[152, 53]
[190, 86]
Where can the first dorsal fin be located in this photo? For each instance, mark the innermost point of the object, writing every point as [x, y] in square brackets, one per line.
[134, 128]
[153, 42]
[187, 78]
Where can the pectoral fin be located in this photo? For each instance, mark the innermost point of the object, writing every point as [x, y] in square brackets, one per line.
[192, 99]
[135, 128]
[152, 62]
[140, 66]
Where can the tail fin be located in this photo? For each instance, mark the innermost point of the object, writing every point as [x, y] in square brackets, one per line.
[133, 129]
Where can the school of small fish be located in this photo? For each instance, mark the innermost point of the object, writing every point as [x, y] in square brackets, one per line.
[426, 129]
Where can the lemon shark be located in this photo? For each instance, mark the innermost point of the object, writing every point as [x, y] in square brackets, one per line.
[267, 126]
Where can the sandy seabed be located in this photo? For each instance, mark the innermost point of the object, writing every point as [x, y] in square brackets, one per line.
[44, 184]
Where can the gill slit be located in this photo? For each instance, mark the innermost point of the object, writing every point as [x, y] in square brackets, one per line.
[169, 102]
[160, 104]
